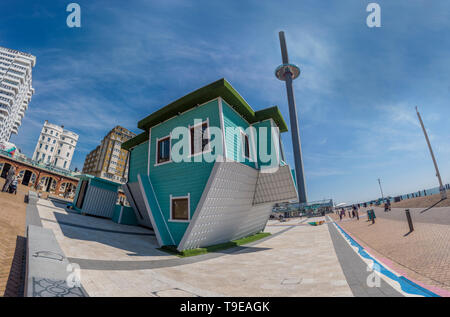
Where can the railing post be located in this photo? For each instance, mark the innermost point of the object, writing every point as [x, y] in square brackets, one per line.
[410, 223]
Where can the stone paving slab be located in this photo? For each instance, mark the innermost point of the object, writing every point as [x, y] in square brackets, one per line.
[300, 262]
[295, 261]
[78, 239]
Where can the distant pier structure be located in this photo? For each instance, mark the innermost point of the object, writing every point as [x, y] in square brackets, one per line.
[288, 72]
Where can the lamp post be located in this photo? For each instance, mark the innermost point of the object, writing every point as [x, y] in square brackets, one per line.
[438, 175]
[381, 189]
[287, 73]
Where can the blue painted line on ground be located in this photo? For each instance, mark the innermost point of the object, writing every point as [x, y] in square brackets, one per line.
[406, 285]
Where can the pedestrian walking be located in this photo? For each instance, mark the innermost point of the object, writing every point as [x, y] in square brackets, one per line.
[371, 215]
[9, 179]
[355, 212]
[13, 186]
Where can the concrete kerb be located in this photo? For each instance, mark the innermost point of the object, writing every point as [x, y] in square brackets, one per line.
[47, 270]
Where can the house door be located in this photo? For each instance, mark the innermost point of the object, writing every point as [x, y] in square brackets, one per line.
[82, 194]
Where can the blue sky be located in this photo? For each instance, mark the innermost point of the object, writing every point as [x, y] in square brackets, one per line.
[355, 98]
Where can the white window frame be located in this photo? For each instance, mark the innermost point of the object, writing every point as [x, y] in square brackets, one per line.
[209, 150]
[170, 150]
[243, 135]
[189, 208]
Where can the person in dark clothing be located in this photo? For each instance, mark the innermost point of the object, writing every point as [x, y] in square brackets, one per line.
[13, 187]
[355, 212]
[9, 179]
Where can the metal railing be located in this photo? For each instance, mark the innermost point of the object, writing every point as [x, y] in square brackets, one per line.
[39, 165]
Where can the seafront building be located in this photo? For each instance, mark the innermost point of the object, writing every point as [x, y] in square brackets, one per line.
[15, 89]
[224, 188]
[55, 146]
[109, 161]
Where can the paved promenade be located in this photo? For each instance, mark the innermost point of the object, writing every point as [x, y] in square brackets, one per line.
[296, 260]
[123, 261]
[423, 255]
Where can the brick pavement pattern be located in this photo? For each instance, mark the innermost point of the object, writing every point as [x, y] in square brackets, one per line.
[12, 242]
[423, 255]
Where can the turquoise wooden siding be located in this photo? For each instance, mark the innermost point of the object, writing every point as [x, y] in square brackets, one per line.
[100, 198]
[161, 224]
[234, 140]
[104, 184]
[138, 162]
[128, 216]
[181, 179]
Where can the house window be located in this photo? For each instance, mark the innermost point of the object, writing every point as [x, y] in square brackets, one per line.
[163, 150]
[179, 208]
[246, 145]
[199, 139]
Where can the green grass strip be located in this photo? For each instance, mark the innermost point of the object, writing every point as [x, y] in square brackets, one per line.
[214, 248]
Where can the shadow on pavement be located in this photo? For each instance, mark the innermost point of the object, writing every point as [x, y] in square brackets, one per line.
[16, 278]
[425, 210]
[107, 233]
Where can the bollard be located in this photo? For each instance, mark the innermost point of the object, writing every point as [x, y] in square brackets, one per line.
[408, 217]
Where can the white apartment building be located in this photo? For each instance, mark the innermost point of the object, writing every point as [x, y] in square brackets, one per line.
[55, 146]
[15, 89]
